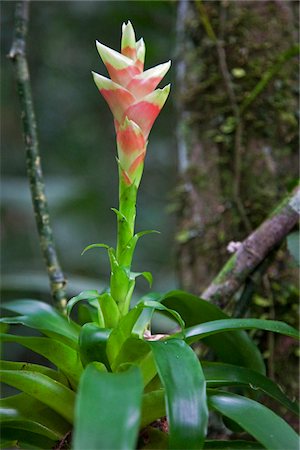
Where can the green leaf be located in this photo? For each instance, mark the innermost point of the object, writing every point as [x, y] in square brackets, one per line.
[13, 365]
[92, 344]
[87, 313]
[63, 356]
[155, 305]
[89, 247]
[92, 297]
[51, 392]
[110, 310]
[197, 332]
[136, 351]
[234, 348]
[147, 275]
[130, 247]
[133, 324]
[185, 389]
[108, 409]
[37, 411]
[153, 407]
[26, 439]
[85, 295]
[11, 418]
[262, 423]
[119, 215]
[42, 317]
[220, 374]
[119, 335]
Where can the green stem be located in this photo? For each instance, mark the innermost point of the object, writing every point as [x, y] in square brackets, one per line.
[121, 284]
[33, 160]
[127, 208]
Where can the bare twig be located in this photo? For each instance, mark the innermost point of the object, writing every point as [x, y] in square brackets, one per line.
[254, 250]
[33, 161]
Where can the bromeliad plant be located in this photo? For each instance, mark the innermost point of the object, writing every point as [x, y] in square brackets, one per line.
[112, 377]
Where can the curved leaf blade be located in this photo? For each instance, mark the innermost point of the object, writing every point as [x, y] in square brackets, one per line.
[26, 439]
[262, 423]
[11, 418]
[197, 332]
[92, 344]
[84, 295]
[105, 399]
[52, 393]
[220, 374]
[234, 348]
[16, 365]
[63, 356]
[34, 410]
[42, 317]
[185, 391]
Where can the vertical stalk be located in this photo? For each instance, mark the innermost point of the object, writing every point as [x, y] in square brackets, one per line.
[127, 208]
[121, 283]
[33, 160]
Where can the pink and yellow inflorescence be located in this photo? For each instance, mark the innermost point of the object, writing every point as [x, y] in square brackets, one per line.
[133, 99]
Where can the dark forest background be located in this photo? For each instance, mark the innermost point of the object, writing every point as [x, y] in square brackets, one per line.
[77, 145]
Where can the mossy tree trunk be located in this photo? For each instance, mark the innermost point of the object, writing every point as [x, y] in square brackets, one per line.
[237, 125]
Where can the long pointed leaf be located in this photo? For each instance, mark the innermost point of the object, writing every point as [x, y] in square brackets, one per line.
[63, 356]
[234, 348]
[220, 374]
[197, 332]
[262, 423]
[185, 390]
[107, 409]
[11, 418]
[52, 393]
[26, 439]
[41, 316]
[33, 409]
[16, 365]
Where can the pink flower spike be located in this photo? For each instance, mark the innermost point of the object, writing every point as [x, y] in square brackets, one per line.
[118, 98]
[128, 44]
[133, 99]
[131, 150]
[144, 83]
[147, 109]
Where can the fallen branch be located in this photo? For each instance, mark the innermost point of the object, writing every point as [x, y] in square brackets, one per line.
[33, 161]
[254, 250]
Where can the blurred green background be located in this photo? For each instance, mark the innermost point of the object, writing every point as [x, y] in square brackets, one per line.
[77, 146]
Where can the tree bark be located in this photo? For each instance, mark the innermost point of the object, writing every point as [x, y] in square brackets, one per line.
[237, 126]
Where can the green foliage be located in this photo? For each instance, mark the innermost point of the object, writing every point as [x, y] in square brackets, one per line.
[108, 409]
[130, 380]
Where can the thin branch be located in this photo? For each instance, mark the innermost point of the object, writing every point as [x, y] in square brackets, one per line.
[33, 161]
[254, 249]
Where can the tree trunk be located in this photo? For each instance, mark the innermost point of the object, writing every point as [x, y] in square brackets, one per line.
[237, 126]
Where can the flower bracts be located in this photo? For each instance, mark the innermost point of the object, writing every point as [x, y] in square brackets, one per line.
[132, 98]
